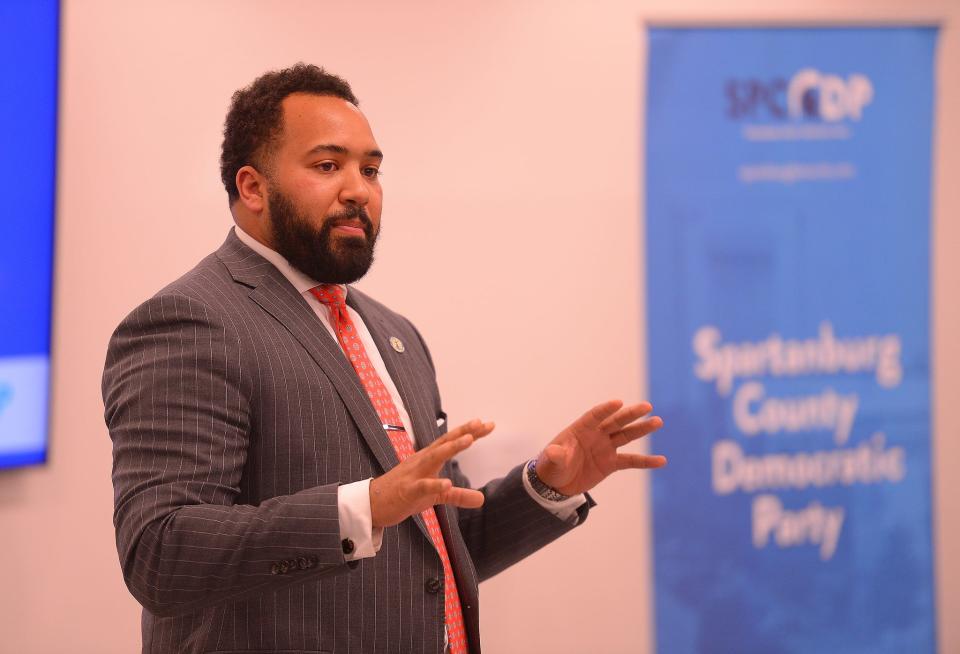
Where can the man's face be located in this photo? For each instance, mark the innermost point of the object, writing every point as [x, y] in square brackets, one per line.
[324, 196]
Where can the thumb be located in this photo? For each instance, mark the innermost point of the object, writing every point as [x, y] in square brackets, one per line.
[552, 465]
[555, 454]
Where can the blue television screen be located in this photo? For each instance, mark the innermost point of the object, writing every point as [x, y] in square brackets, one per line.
[29, 52]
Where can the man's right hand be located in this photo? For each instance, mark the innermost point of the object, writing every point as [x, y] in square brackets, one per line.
[413, 486]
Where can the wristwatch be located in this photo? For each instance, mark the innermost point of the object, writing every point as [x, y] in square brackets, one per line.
[544, 491]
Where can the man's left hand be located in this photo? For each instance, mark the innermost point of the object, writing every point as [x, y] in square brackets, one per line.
[585, 453]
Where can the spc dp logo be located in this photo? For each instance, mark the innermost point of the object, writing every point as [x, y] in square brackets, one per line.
[809, 94]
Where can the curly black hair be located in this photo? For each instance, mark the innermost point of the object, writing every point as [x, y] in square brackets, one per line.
[254, 120]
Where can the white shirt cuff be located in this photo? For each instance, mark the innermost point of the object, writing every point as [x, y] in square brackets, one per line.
[565, 510]
[356, 520]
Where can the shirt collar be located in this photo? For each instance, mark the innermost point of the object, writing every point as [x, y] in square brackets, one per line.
[301, 282]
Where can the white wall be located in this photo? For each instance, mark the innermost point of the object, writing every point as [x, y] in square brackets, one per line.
[513, 143]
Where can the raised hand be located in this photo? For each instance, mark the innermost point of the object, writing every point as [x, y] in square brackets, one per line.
[413, 486]
[585, 453]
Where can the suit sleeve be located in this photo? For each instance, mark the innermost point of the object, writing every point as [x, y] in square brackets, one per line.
[510, 525]
[179, 418]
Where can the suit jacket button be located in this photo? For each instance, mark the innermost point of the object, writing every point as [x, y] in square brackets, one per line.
[433, 585]
[348, 546]
[302, 563]
[283, 567]
[275, 569]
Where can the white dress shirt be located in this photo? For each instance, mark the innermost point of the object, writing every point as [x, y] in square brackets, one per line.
[353, 499]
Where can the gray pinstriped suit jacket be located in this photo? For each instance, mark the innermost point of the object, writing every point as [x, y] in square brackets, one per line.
[234, 416]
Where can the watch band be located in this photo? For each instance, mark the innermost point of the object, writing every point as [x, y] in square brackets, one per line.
[544, 491]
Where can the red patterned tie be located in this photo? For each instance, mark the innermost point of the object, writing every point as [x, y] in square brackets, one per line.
[332, 296]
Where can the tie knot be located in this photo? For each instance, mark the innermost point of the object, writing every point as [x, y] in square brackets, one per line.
[331, 295]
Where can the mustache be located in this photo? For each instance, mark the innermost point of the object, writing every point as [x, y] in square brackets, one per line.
[351, 213]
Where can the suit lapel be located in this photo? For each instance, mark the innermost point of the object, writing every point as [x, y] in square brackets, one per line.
[460, 556]
[402, 375]
[401, 368]
[274, 294]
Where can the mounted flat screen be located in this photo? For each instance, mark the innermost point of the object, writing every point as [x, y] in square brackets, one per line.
[29, 48]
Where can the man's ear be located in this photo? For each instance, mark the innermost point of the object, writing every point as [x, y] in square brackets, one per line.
[252, 188]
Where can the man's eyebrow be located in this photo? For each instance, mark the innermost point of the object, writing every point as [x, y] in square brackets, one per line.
[339, 149]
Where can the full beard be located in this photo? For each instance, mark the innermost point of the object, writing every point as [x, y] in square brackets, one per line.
[314, 251]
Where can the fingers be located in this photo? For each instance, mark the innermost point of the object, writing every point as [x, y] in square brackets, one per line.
[477, 428]
[431, 459]
[434, 455]
[465, 498]
[413, 485]
[594, 417]
[635, 431]
[628, 460]
[611, 416]
[434, 486]
[484, 429]
[442, 491]
[456, 432]
[625, 416]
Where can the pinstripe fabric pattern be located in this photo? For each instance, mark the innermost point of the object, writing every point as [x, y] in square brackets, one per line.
[234, 417]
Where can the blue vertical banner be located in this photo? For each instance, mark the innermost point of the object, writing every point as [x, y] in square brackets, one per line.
[29, 54]
[788, 284]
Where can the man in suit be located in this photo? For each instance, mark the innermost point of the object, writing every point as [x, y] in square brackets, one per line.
[284, 475]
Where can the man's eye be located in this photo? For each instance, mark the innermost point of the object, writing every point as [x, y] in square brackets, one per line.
[371, 172]
[326, 166]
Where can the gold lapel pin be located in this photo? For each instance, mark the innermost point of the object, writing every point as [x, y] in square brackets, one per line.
[397, 344]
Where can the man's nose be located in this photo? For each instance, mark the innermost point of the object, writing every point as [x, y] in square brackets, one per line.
[355, 187]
